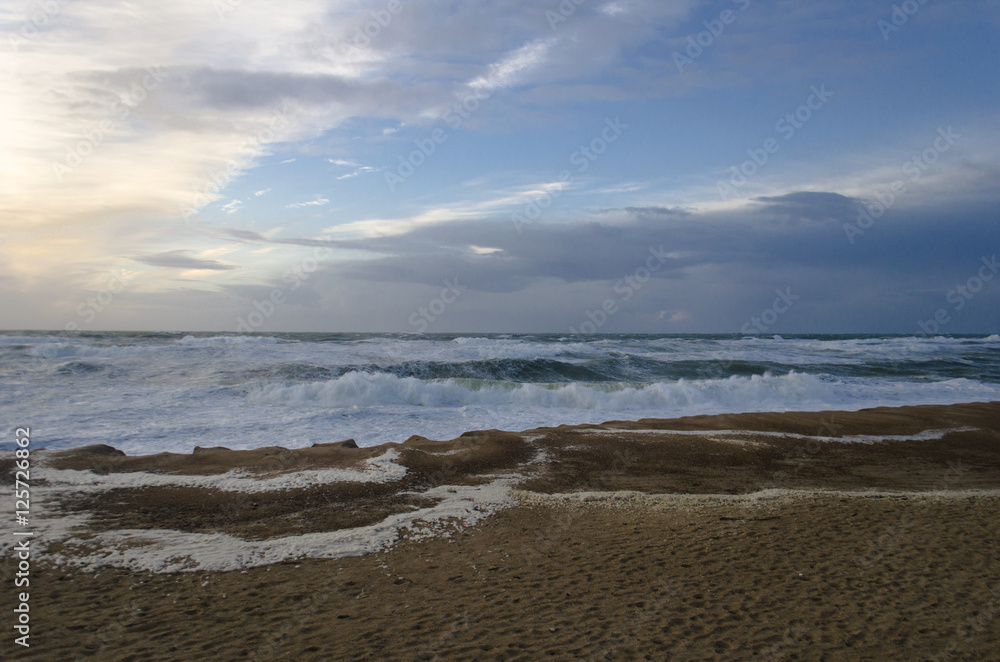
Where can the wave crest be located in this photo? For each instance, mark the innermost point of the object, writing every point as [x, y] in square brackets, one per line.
[378, 389]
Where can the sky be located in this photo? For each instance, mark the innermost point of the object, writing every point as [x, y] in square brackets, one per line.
[582, 166]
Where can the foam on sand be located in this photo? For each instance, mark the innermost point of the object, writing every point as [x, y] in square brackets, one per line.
[926, 435]
[338, 500]
[160, 550]
[381, 469]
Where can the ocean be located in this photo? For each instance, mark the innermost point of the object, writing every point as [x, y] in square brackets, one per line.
[152, 392]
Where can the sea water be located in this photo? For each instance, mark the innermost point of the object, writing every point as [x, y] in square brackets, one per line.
[152, 392]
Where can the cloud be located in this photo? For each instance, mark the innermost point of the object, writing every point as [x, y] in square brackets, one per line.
[799, 231]
[658, 211]
[207, 110]
[676, 316]
[318, 201]
[506, 72]
[514, 198]
[123, 119]
[621, 188]
[255, 237]
[183, 259]
[813, 205]
[232, 206]
[359, 171]
[715, 268]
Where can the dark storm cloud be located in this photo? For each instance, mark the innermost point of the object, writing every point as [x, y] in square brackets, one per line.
[600, 250]
[802, 231]
[718, 267]
[813, 205]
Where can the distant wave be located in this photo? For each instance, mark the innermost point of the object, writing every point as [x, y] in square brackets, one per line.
[81, 368]
[226, 341]
[62, 350]
[779, 392]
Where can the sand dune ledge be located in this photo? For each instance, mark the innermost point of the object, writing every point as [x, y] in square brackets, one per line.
[808, 536]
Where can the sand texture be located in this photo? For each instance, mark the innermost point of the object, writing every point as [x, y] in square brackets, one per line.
[866, 535]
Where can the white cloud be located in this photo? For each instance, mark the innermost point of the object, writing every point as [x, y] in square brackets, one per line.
[359, 171]
[318, 201]
[628, 187]
[157, 145]
[484, 250]
[511, 199]
[505, 72]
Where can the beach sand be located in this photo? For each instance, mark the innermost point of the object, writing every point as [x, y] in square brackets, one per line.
[685, 539]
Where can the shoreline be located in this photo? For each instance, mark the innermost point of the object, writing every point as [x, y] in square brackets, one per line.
[239, 509]
[795, 535]
[205, 459]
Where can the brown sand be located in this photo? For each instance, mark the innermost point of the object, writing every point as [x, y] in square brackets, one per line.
[883, 570]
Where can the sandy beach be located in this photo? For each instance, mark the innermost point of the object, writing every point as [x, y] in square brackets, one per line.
[864, 535]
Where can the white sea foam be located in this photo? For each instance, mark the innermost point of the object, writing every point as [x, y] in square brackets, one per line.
[69, 350]
[381, 469]
[146, 394]
[926, 435]
[164, 550]
[790, 391]
[226, 341]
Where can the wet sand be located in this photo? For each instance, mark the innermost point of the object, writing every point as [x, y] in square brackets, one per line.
[681, 539]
